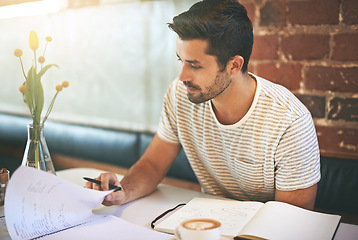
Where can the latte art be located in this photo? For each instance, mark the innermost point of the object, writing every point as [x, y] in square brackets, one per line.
[198, 229]
[201, 224]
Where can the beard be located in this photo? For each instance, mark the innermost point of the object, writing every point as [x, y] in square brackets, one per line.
[221, 82]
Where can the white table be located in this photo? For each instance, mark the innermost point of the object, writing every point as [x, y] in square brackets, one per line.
[144, 210]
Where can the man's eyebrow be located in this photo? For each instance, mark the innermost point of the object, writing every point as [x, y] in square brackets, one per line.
[189, 61]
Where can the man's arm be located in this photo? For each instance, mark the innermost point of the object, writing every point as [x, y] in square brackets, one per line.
[144, 176]
[304, 198]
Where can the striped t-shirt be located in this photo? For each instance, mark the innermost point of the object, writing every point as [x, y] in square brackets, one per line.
[273, 146]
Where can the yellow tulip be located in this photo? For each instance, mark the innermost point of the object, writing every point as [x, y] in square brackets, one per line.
[33, 40]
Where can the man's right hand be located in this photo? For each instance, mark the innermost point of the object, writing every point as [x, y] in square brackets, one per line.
[114, 198]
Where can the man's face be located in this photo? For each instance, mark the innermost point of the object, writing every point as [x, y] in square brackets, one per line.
[200, 72]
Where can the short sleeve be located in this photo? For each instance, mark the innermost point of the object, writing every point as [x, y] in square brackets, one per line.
[297, 160]
[167, 128]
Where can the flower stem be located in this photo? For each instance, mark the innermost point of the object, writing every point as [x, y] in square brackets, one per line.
[44, 53]
[45, 49]
[35, 60]
[49, 109]
[22, 67]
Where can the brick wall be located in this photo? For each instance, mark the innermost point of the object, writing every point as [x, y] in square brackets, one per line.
[311, 47]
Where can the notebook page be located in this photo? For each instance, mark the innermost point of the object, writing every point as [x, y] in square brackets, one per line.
[232, 214]
[282, 221]
[38, 203]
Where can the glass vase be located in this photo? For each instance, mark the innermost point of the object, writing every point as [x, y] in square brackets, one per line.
[36, 153]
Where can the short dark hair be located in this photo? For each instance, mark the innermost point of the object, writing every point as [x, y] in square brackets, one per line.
[223, 23]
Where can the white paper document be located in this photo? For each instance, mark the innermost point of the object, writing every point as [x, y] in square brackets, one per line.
[39, 204]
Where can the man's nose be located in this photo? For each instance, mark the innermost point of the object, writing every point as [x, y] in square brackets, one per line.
[185, 73]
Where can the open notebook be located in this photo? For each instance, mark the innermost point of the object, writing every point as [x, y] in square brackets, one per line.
[272, 220]
[42, 205]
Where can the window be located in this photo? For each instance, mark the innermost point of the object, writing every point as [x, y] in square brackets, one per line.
[18, 8]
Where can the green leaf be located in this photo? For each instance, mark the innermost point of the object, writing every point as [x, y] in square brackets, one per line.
[27, 95]
[34, 96]
[40, 101]
[45, 68]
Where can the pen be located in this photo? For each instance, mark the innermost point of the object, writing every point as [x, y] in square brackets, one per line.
[116, 188]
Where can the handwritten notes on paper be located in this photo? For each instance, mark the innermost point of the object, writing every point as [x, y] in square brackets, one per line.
[272, 220]
[39, 204]
[232, 214]
[36, 202]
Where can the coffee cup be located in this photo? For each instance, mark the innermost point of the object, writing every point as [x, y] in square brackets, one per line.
[198, 229]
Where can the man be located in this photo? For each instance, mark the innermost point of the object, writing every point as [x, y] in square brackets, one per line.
[245, 137]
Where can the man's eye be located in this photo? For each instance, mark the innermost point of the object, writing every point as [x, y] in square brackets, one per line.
[179, 59]
[195, 67]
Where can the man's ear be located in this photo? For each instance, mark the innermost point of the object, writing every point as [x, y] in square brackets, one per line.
[236, 64]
